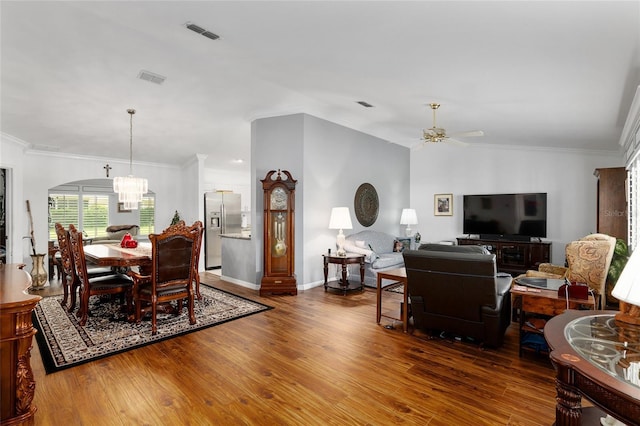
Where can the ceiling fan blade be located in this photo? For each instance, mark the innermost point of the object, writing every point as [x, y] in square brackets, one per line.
[470, 133]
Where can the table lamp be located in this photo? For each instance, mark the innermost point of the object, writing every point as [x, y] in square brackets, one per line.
[627, 291]
[408, 218]
[340, 219]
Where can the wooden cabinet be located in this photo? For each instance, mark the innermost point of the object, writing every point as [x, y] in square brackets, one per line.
[514, 257]
[612, 202]
[16, 331]
[279, 229]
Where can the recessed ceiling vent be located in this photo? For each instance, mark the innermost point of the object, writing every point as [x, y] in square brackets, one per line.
[202, 31]
[365, 104]
[151, 77]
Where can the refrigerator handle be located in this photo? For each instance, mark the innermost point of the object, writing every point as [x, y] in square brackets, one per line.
[223, 220]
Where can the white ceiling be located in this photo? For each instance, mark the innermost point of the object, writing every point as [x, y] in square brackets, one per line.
[553, 73]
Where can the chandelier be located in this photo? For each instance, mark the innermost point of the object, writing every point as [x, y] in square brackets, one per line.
[130, 189]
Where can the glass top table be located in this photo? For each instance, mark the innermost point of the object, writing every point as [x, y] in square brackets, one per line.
[613, 348]
[598, 358]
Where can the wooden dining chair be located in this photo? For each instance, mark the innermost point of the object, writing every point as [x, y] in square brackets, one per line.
[110, 284]
[198, 229]
[70, 282]
[172, 274]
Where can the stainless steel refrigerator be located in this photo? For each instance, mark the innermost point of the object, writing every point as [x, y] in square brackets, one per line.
[222, 216]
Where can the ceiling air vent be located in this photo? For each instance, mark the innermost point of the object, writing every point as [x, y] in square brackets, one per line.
[152, 77]
[202, 31]
[194, 27]
[211, 35]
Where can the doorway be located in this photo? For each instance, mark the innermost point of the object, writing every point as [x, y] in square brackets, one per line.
[3, 216]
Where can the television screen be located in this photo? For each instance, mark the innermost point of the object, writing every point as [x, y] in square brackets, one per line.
[506, 215]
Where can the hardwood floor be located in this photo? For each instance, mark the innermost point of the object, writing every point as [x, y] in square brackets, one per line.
[316, 359]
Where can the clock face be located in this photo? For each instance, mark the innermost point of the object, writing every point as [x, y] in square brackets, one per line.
[278, 199]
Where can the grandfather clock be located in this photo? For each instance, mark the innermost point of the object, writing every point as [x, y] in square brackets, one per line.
[279, 234]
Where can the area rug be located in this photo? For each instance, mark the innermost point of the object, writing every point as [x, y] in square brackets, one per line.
[395, 288]
[64, 343]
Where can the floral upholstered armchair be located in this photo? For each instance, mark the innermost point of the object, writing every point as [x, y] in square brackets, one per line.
[588, 261]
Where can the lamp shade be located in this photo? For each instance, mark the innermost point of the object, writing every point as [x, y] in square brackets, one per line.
[408, 217]
[340, 218]
[627, 287]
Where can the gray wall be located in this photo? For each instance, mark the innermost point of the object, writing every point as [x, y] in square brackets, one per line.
[330, 162]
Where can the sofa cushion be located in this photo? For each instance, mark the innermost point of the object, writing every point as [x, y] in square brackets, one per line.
[380, 242]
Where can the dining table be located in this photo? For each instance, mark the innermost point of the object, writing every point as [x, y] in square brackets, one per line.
[120, 257]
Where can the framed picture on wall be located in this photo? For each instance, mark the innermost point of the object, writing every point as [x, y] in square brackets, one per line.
[443, 204]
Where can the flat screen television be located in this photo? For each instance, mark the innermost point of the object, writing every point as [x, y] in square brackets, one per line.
[506, 216]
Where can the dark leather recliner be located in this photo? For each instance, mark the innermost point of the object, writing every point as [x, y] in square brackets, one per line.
[456, 289]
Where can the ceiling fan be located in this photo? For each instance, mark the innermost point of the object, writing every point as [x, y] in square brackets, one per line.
[438, 134]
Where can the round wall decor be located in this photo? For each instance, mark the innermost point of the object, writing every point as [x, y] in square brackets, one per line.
[366, 204]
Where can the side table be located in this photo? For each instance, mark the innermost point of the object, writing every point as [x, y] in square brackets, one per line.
[344, 284]
[546, 302]
[399, 275]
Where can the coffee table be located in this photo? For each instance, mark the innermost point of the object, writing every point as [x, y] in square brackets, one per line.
[400, 275]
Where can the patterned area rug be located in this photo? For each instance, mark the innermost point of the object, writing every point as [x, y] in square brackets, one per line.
[395, 288]
[64, 343]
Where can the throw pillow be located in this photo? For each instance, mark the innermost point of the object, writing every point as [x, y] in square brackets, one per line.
[369, 255]
[362, 244]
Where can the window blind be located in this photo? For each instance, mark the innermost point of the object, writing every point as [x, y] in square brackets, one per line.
[95, 215]
[63, 208]
[147, 215]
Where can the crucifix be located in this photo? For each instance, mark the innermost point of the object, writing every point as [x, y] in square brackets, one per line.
[107, 168]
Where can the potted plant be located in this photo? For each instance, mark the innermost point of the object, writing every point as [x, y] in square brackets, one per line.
[176, 218]
[618, 262]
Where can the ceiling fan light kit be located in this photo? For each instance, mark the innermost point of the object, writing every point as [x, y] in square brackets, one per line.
[438, 134]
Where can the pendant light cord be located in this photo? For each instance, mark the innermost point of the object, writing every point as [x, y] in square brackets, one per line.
[131, 112]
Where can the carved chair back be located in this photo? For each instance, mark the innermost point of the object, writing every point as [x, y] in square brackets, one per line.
[77, 250]
[172, 273]
[173, 257]
[68, 269]
[94, 285]
[198, 230]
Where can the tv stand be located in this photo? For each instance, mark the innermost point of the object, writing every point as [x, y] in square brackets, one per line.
[493, 237]
[513, 256]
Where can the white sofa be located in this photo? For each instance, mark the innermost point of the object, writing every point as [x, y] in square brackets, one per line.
[378, 250]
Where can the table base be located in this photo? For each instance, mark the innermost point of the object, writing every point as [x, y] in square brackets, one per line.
[338, 285]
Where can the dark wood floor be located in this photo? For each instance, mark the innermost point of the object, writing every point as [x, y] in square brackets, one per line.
[316, 359]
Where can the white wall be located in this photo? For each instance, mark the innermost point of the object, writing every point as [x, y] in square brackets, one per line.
[565, 175]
